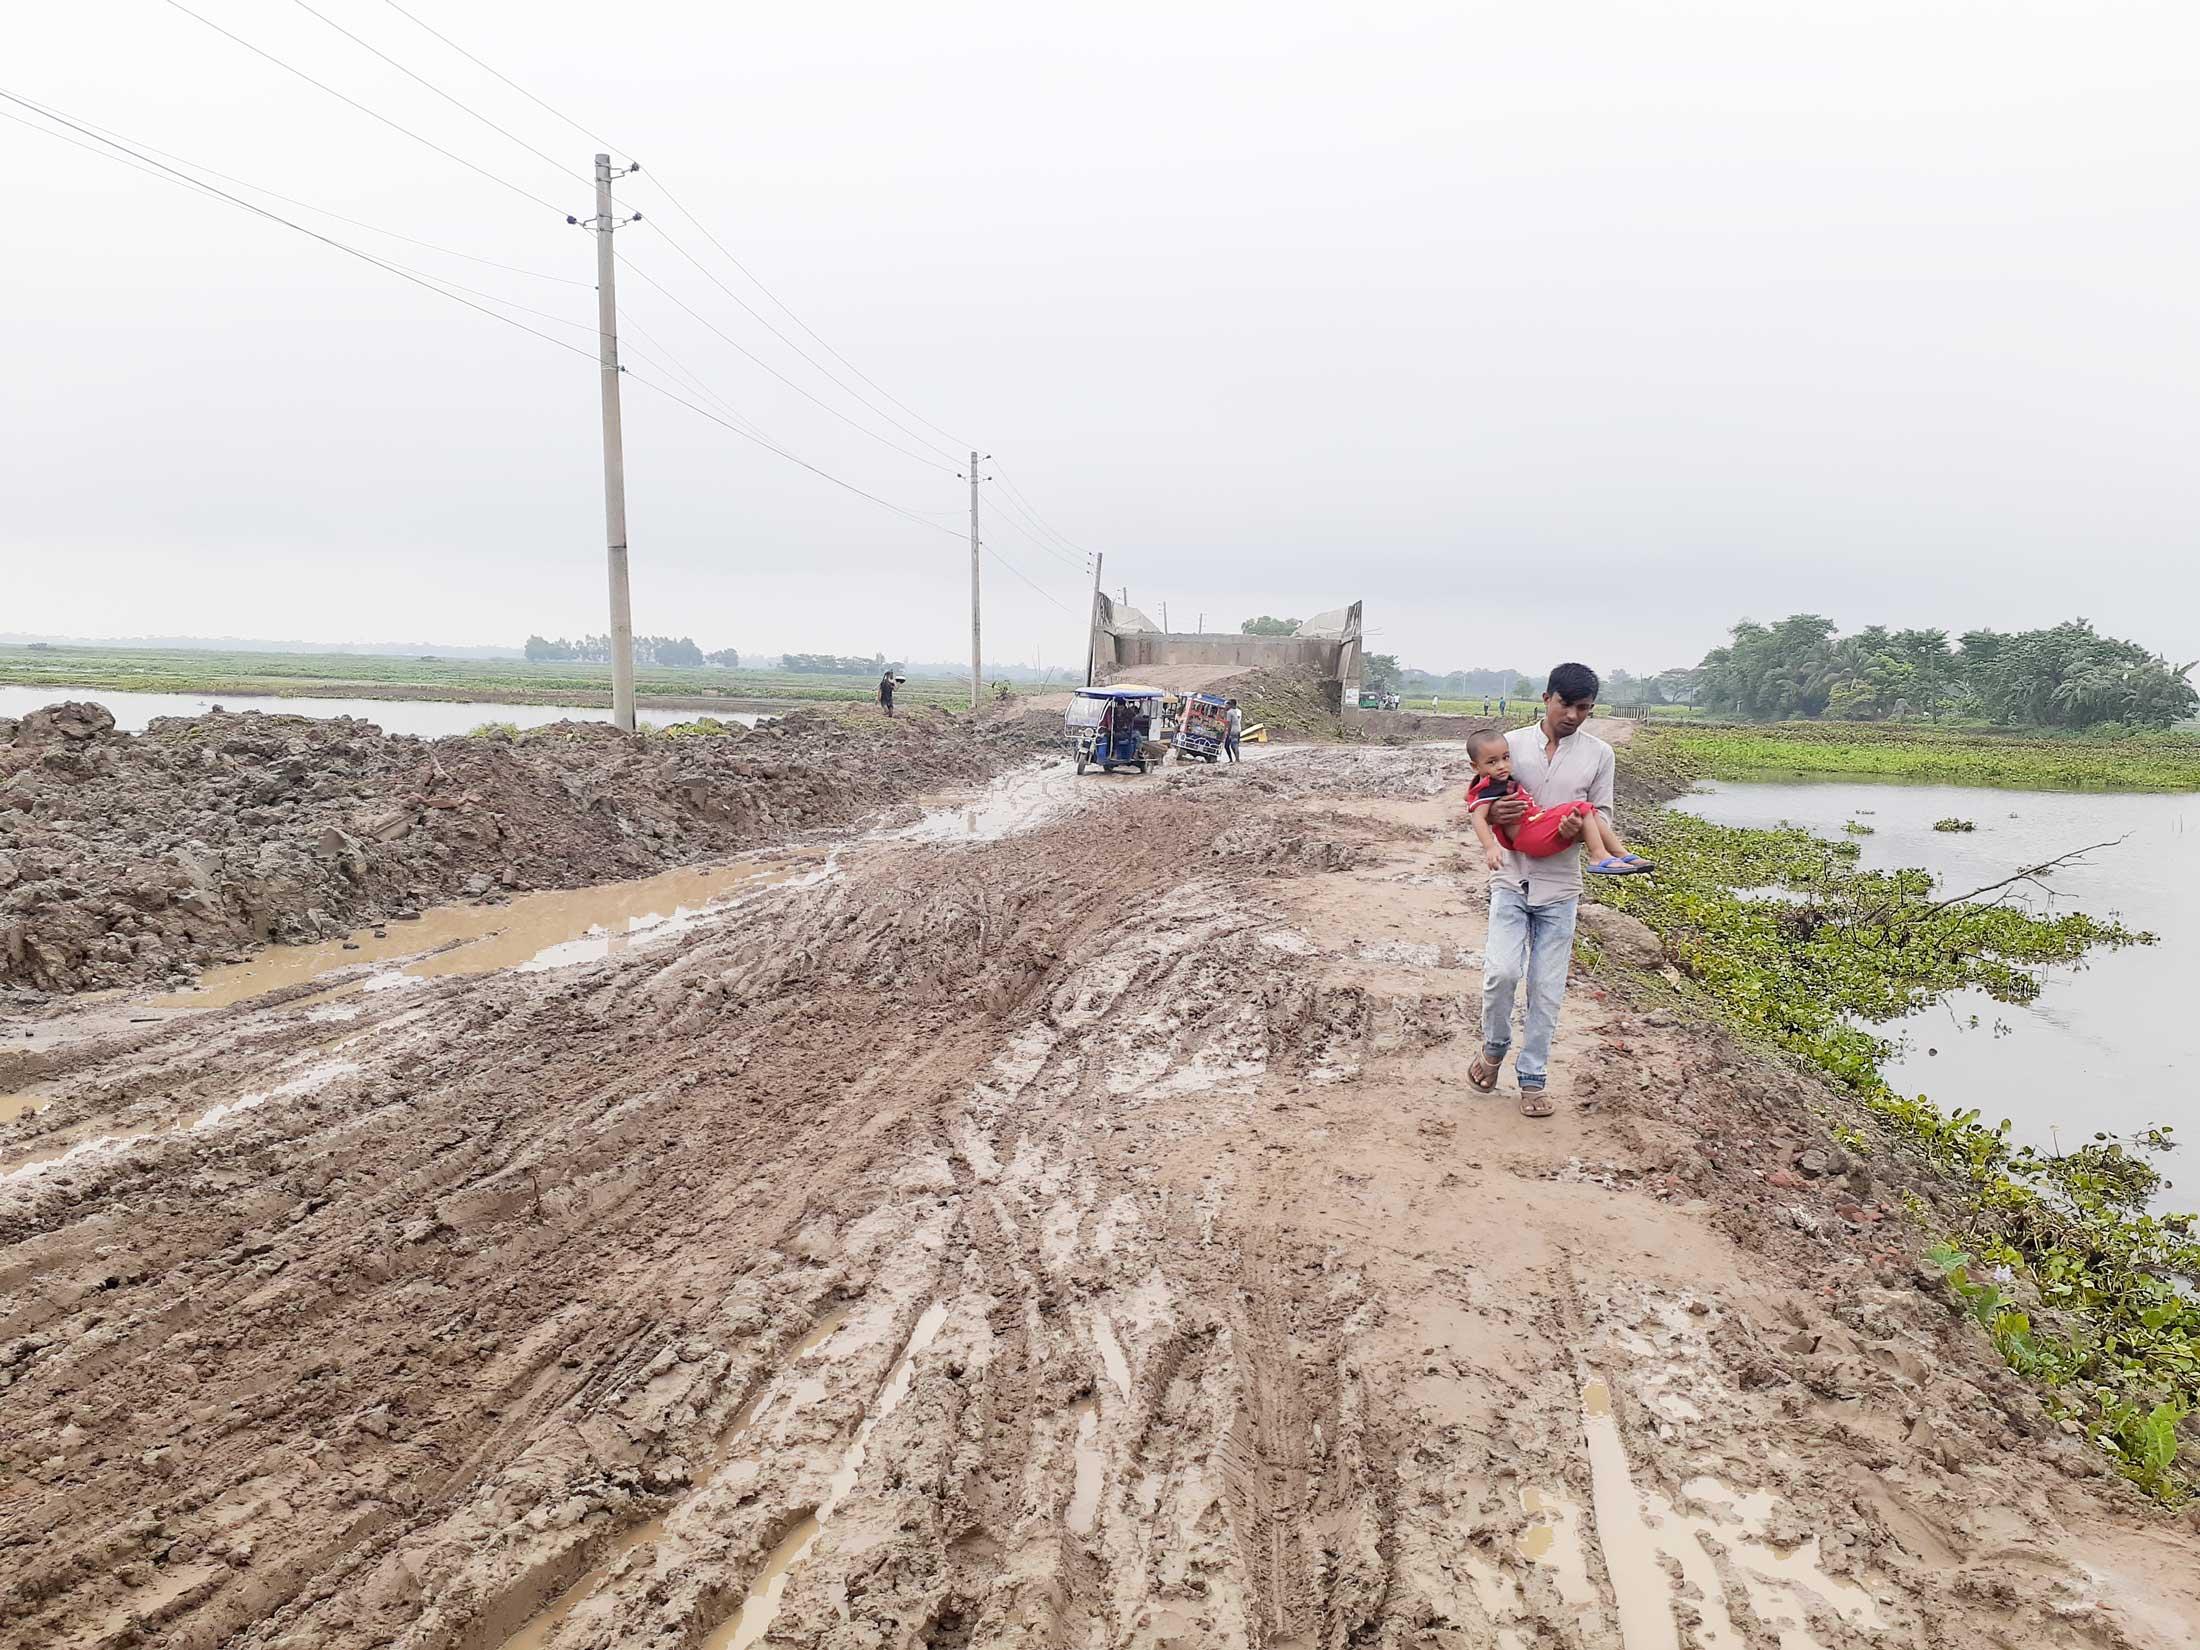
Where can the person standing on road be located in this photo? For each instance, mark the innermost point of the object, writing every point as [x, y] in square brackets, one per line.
[886, 690]
[1533, 902]
[1233, 729]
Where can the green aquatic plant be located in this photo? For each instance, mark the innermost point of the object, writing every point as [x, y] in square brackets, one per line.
[1953, 824]
[2079, 1285]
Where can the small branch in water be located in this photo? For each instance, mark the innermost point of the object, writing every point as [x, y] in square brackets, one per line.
[2031, 873]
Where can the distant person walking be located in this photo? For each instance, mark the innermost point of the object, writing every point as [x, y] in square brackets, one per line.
[886, 682]
[1534, 901]
[1234, 731]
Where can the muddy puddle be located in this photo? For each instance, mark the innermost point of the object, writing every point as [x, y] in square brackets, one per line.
[1084, 1497]
[749, 1624]
[13, 1106]
[551, 929]
[1018, 801]
[1716, 1541]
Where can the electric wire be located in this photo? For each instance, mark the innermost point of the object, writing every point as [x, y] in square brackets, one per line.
[431, 283]
[749, 274]
[323, 85]
[762, 441]
[1021, 574]
[117, 151]
[679, 206]
[455, 102]
[1033, 510]
[599, 142]
[752, 312]
[1024, 532]
[303, 206]
[1042, 533]
[928, 462]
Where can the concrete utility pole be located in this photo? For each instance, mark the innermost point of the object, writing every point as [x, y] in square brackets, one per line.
[977, 666]
[614, 457]
[1092, 625]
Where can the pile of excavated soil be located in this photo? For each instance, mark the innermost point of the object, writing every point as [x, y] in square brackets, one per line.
[138, 857]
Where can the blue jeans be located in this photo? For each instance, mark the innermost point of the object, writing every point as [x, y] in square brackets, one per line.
[1527, 942]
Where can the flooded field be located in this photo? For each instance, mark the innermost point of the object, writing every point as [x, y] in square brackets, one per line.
[426, 718]
[2108, 1044]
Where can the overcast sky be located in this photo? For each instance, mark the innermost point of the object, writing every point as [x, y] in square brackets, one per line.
[1547, 331]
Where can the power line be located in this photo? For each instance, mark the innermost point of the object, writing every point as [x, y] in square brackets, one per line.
[751, 310]
[304, 206]
[1036, 542]
[431, 283]
[116, 151]
[447, 154]
[774, 371]
[762, 441]
[599, 142]
[1033, 510]
[1021, 574]
[704, 230]
[431, 85]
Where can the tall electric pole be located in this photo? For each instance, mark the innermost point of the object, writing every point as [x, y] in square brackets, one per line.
[977, 666]
[1092, 627]
[614, 455]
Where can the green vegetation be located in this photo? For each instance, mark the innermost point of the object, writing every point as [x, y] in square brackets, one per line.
[2077, 1284]
[497, 681]
[1266, 625]
[679, 651]
[1858, 828]
[1951, 825]
[2066, 677]
[1942, 755]
[493, 730]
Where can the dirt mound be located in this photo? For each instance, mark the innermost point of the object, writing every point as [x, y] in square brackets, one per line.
[136, 857]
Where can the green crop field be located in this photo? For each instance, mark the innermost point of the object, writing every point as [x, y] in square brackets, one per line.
[487, 681]
[1946, 755]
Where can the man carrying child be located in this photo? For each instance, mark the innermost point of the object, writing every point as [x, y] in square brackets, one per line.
[1535, 876]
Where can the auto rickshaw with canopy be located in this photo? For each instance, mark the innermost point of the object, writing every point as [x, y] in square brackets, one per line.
[1205, 724]
[1110, 726]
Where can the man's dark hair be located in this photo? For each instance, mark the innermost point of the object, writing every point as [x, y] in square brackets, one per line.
[1573, 683]
[1480, 740]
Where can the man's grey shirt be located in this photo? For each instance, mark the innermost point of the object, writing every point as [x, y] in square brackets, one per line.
[1579, 771]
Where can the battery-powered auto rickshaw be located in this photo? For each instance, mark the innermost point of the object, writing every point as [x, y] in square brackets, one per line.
[1205, 725]
[1110, 726]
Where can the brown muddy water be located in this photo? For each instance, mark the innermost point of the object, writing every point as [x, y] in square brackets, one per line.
[552, 929]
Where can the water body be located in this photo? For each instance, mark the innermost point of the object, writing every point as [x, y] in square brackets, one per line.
[2111, 1043]
[428, 718]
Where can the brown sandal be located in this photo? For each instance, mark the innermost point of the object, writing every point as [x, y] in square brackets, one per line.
[1534, 1103]
[1483, 1075]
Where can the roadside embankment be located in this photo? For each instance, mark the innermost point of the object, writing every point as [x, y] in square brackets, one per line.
[128, 858]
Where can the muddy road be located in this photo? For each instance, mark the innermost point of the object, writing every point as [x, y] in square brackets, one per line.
[1061, 1220]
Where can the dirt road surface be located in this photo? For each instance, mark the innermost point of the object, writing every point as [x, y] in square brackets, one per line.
[1059, 1221]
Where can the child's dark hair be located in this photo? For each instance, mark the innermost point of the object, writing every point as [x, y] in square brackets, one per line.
[1480, 740]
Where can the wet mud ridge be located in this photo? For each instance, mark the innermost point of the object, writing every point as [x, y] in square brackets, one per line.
[127, 858]
[1079, 1236]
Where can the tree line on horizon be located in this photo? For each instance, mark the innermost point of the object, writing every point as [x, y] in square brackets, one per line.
[1802, 668]
[672, 651]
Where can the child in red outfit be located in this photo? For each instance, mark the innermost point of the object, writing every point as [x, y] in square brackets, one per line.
[1537, 835]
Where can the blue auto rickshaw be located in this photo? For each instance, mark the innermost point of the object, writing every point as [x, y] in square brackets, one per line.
[1109, 726]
